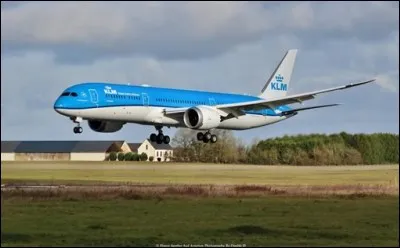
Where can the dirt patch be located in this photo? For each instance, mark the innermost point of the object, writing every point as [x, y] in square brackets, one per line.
[162, 191]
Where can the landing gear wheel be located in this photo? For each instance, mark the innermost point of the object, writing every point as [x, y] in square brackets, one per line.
[153, 137]
[214, 138]
[200, 136]
[78, 129]
[160, 138]
[166, 139]
[207, 136]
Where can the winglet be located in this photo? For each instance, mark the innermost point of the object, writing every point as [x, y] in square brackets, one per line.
[357, 84]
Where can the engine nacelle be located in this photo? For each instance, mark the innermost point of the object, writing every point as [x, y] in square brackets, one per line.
[105, 126]
[201, 118]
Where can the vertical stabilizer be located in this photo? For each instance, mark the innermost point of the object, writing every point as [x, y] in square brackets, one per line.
[278, 84]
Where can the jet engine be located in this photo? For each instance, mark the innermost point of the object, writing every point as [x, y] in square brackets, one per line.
[105, 126]
[201, 118]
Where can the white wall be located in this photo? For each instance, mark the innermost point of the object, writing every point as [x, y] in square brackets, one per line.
[161, 154]
[147, 148]
[7, 156]
[42, 156]
[88, 156]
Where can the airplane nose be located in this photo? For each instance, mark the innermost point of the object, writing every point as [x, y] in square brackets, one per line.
[58, 105]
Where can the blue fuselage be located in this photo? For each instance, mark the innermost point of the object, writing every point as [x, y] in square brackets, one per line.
[104, 95]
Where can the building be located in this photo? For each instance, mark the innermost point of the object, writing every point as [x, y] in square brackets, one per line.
[79, 150]
[160, 152]
[97, 150]
[60, 150]
[8, 150]
[43, 150]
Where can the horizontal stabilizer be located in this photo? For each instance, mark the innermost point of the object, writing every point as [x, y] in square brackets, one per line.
[292, 111]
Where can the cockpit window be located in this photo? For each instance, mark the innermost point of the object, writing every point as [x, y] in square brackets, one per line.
[65, 94]
[74, 94]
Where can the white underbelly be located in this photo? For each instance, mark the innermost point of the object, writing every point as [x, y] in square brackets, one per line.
[249, 121]
[135, 114]
[154, 116]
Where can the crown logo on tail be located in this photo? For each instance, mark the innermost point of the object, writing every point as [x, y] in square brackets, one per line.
[279, 78]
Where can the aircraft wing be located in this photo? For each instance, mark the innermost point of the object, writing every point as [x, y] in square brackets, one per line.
[237, 108]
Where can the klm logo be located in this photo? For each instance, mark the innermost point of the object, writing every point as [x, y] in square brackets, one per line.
[278, 85]
[109, 90]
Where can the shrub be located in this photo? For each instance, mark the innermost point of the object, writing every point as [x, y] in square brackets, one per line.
[128, 156]
[121, 156]
[113, 156]
[135, 157]
[143, 156]
[151, 158]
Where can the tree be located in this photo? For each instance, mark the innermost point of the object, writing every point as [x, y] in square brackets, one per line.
[113, 156]
[143, 156]
[187, 148]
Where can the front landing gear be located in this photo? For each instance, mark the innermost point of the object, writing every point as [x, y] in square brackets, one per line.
[78, 128]
[206, 137]
[160, 138]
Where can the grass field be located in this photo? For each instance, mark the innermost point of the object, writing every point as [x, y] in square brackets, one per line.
[238, 205]
[198, 173]
[267, 221]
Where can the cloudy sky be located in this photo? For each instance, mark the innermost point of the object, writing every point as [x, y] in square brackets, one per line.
[215, 46]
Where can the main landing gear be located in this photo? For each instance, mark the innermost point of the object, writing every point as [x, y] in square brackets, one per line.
[78, 128]
[206, 137]
[160, 138]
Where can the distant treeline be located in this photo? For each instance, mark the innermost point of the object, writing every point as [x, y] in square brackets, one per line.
[334, 149]
[313, 149]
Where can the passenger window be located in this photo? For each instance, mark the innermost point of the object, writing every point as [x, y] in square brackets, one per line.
[74, 94]
[65, 94]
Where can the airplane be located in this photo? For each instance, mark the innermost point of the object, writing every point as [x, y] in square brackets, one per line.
[107, 107]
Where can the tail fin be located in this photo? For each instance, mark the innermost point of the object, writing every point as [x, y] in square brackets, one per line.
[278, 84]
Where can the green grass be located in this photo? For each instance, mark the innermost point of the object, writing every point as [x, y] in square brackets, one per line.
[198, 173]
[269, 221]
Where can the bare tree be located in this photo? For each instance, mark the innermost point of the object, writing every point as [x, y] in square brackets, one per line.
[189, 149]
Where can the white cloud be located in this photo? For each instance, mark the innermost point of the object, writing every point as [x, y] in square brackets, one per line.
[84, 31]
[389, 81]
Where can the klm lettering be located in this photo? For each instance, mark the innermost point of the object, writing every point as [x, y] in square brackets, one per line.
[279, 86]
[110, 91]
